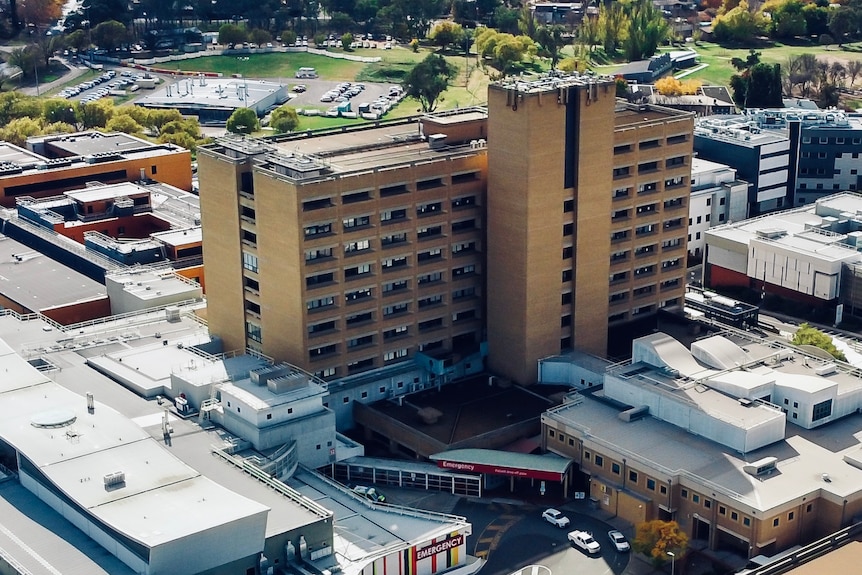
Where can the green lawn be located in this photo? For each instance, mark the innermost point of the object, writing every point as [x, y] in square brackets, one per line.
[719, 69]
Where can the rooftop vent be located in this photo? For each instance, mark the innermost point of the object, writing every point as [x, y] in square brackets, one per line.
[436, 141]
[761, 467]
[771, 233]
[826, 369]
[115, 480]
[634, 413]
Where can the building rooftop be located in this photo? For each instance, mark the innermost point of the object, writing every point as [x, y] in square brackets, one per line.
[737, 130]
[220, 93]
[820, 229]
[89, 143]
[12, 154]
[627, 114]
[699, 166]
[360, 529]
[179, 237]
[106, 192]
[350, 152]
[551, 82]
[110, 466]
[803, 456]
[37, 282]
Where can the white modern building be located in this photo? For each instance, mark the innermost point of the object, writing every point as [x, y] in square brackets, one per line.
[799, 253]
[111, 479]
[761, 157]
[717, 197]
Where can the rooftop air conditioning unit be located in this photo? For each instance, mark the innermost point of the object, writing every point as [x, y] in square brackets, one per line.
[826, 369]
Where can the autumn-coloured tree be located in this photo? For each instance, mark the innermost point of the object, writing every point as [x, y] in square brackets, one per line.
[39, 12]
[656, 538]
[668, 86]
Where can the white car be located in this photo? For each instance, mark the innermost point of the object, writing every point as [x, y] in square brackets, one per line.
[585, 541]
[618, 540]
[555, 517]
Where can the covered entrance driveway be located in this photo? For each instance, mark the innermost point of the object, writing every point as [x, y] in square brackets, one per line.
[491, 463]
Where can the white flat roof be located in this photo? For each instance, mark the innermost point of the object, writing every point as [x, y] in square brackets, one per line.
[179, 237]
[106, 192]
[162, 499]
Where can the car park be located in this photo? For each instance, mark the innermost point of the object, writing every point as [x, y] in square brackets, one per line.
[619, 541]
[555, 517]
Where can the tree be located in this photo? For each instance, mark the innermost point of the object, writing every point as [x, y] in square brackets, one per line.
[109, 35]
[46, 46]
[589, 32]
[786, 18]
[95, 114]
[758, 87]
[243, 121]
[40, 12]
[527, 22]
[159, 118]
[288, 37]
[185, 133]
[428, 79]
[808, 335]
[446, 33]
[655, 538]
[346, 40]
[612, 26]
[284, 119]
[18, 130]
[231, 34]
[58, 128]
[260, 37]
[647, 29]
[751, 60]
[854, 70]
[738, 25]
[842, 21]
[124, 123]
[58, 110]
[78, 40]
[552, 41]
[341, 22]
[506, 19]
[24, 58]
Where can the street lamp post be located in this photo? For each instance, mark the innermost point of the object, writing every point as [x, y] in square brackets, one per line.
[672, 561]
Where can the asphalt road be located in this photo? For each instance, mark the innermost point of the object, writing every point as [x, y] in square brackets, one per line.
[512, 535]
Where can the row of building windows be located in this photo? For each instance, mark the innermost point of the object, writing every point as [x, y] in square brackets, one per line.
[389, 310]
[352, 248]
[648, 167]
[389, 264]
[421, 209]
[391, 190]
[826, 140]
[650, 144]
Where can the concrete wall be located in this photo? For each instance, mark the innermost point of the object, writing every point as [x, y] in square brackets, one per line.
[80, 311]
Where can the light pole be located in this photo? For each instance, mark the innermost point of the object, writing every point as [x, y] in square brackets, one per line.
[672, 561]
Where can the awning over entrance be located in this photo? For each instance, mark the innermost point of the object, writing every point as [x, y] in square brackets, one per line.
[549, 467]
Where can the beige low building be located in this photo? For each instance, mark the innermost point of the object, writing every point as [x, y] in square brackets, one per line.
[752, 447]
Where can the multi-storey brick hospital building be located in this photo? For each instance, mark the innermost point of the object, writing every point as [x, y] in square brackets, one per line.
[512, 232]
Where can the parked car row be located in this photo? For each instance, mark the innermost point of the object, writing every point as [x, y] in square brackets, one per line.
[110, 76]
[343, 92]
[584, 539]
